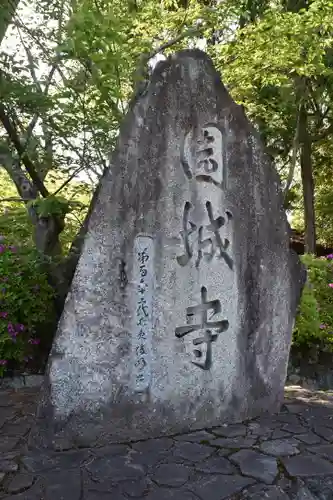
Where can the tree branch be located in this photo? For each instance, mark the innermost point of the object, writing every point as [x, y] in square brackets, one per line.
[11, 131]
[294, 153]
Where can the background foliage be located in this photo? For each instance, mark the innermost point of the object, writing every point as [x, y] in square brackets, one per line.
[68, 72]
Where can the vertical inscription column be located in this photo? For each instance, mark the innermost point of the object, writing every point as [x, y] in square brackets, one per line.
[204, 243]
[143, 277]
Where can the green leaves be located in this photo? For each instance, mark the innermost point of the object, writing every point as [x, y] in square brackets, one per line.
[314, 324]
[26, 301]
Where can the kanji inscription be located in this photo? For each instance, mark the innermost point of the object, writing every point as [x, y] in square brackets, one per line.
[203, 354]
[204, 241]
[205, 163]
[143, 282]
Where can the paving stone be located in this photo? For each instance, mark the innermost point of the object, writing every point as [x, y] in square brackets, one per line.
[97, 495]
[308, 438]
[266, 493]
[257, 465]
[325, 451]
[230, 431]
[296, 408]
[253, 490]
[219, 487]
[285, 483]
[5, 400]
[307, 465]
[171, 475]
[100, 485]
[259, 430]
[8, 443]
[136, 488]
[192, 451]
[216, 465]
[116, 468]
[38, 462]
[111, 450]
[328, 422]
[224, 452]
[2, 476]
[233, 443]
[36, 492]
[321, 488]
[161, 444]
[324, 432]
[18, 429]
[268, 421]
[304, 494]
[151, 458]
[63, 485]
[287, 418]
[8, 466]
[20, 482]
[279, 434]
[295, 428]
[167, 494]
[201, 437]
[280, 447]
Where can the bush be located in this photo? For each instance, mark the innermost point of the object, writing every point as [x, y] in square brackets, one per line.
[314, 324]
[26, 302]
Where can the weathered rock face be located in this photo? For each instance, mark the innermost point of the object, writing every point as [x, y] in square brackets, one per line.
[181, 310]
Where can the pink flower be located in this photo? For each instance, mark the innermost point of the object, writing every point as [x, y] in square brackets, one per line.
[3, 361]
[34, 341]
[2, 248]
[330, 285]
[11, 328]
[330, 256]
[322, 326]
[3, 314]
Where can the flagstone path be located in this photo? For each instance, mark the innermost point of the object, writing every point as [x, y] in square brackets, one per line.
[288, 456]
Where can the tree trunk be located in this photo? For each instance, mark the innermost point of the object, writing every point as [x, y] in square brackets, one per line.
[307, 182]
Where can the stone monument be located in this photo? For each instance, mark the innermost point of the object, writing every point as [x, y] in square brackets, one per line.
[181, 310]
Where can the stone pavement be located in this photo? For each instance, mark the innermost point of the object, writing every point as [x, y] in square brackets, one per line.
[288, 456]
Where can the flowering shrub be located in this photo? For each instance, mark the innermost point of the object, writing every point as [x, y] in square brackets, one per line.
[26, 301]
[314, 324]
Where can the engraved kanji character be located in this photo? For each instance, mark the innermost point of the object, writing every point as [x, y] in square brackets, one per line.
[142, 307]
[204, 325]
[216, 241]
[142, 334]
[143, 256]
[206, 152]
[140, 363]
[188, 229]
[140, 350]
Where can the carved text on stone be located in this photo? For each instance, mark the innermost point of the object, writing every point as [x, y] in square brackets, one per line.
[206, 247]
[203, 355]
[207, 164]
[143, 281]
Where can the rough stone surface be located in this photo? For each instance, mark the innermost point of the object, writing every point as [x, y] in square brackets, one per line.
[256, 465]
[187, 225]
[219, 487]
[20, 482]
[280, 448]
[171, 475]
[230, 431]
[307, 465]
[308, 438]
[173, 468]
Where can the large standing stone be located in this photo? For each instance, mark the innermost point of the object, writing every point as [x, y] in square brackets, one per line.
[182, 305]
